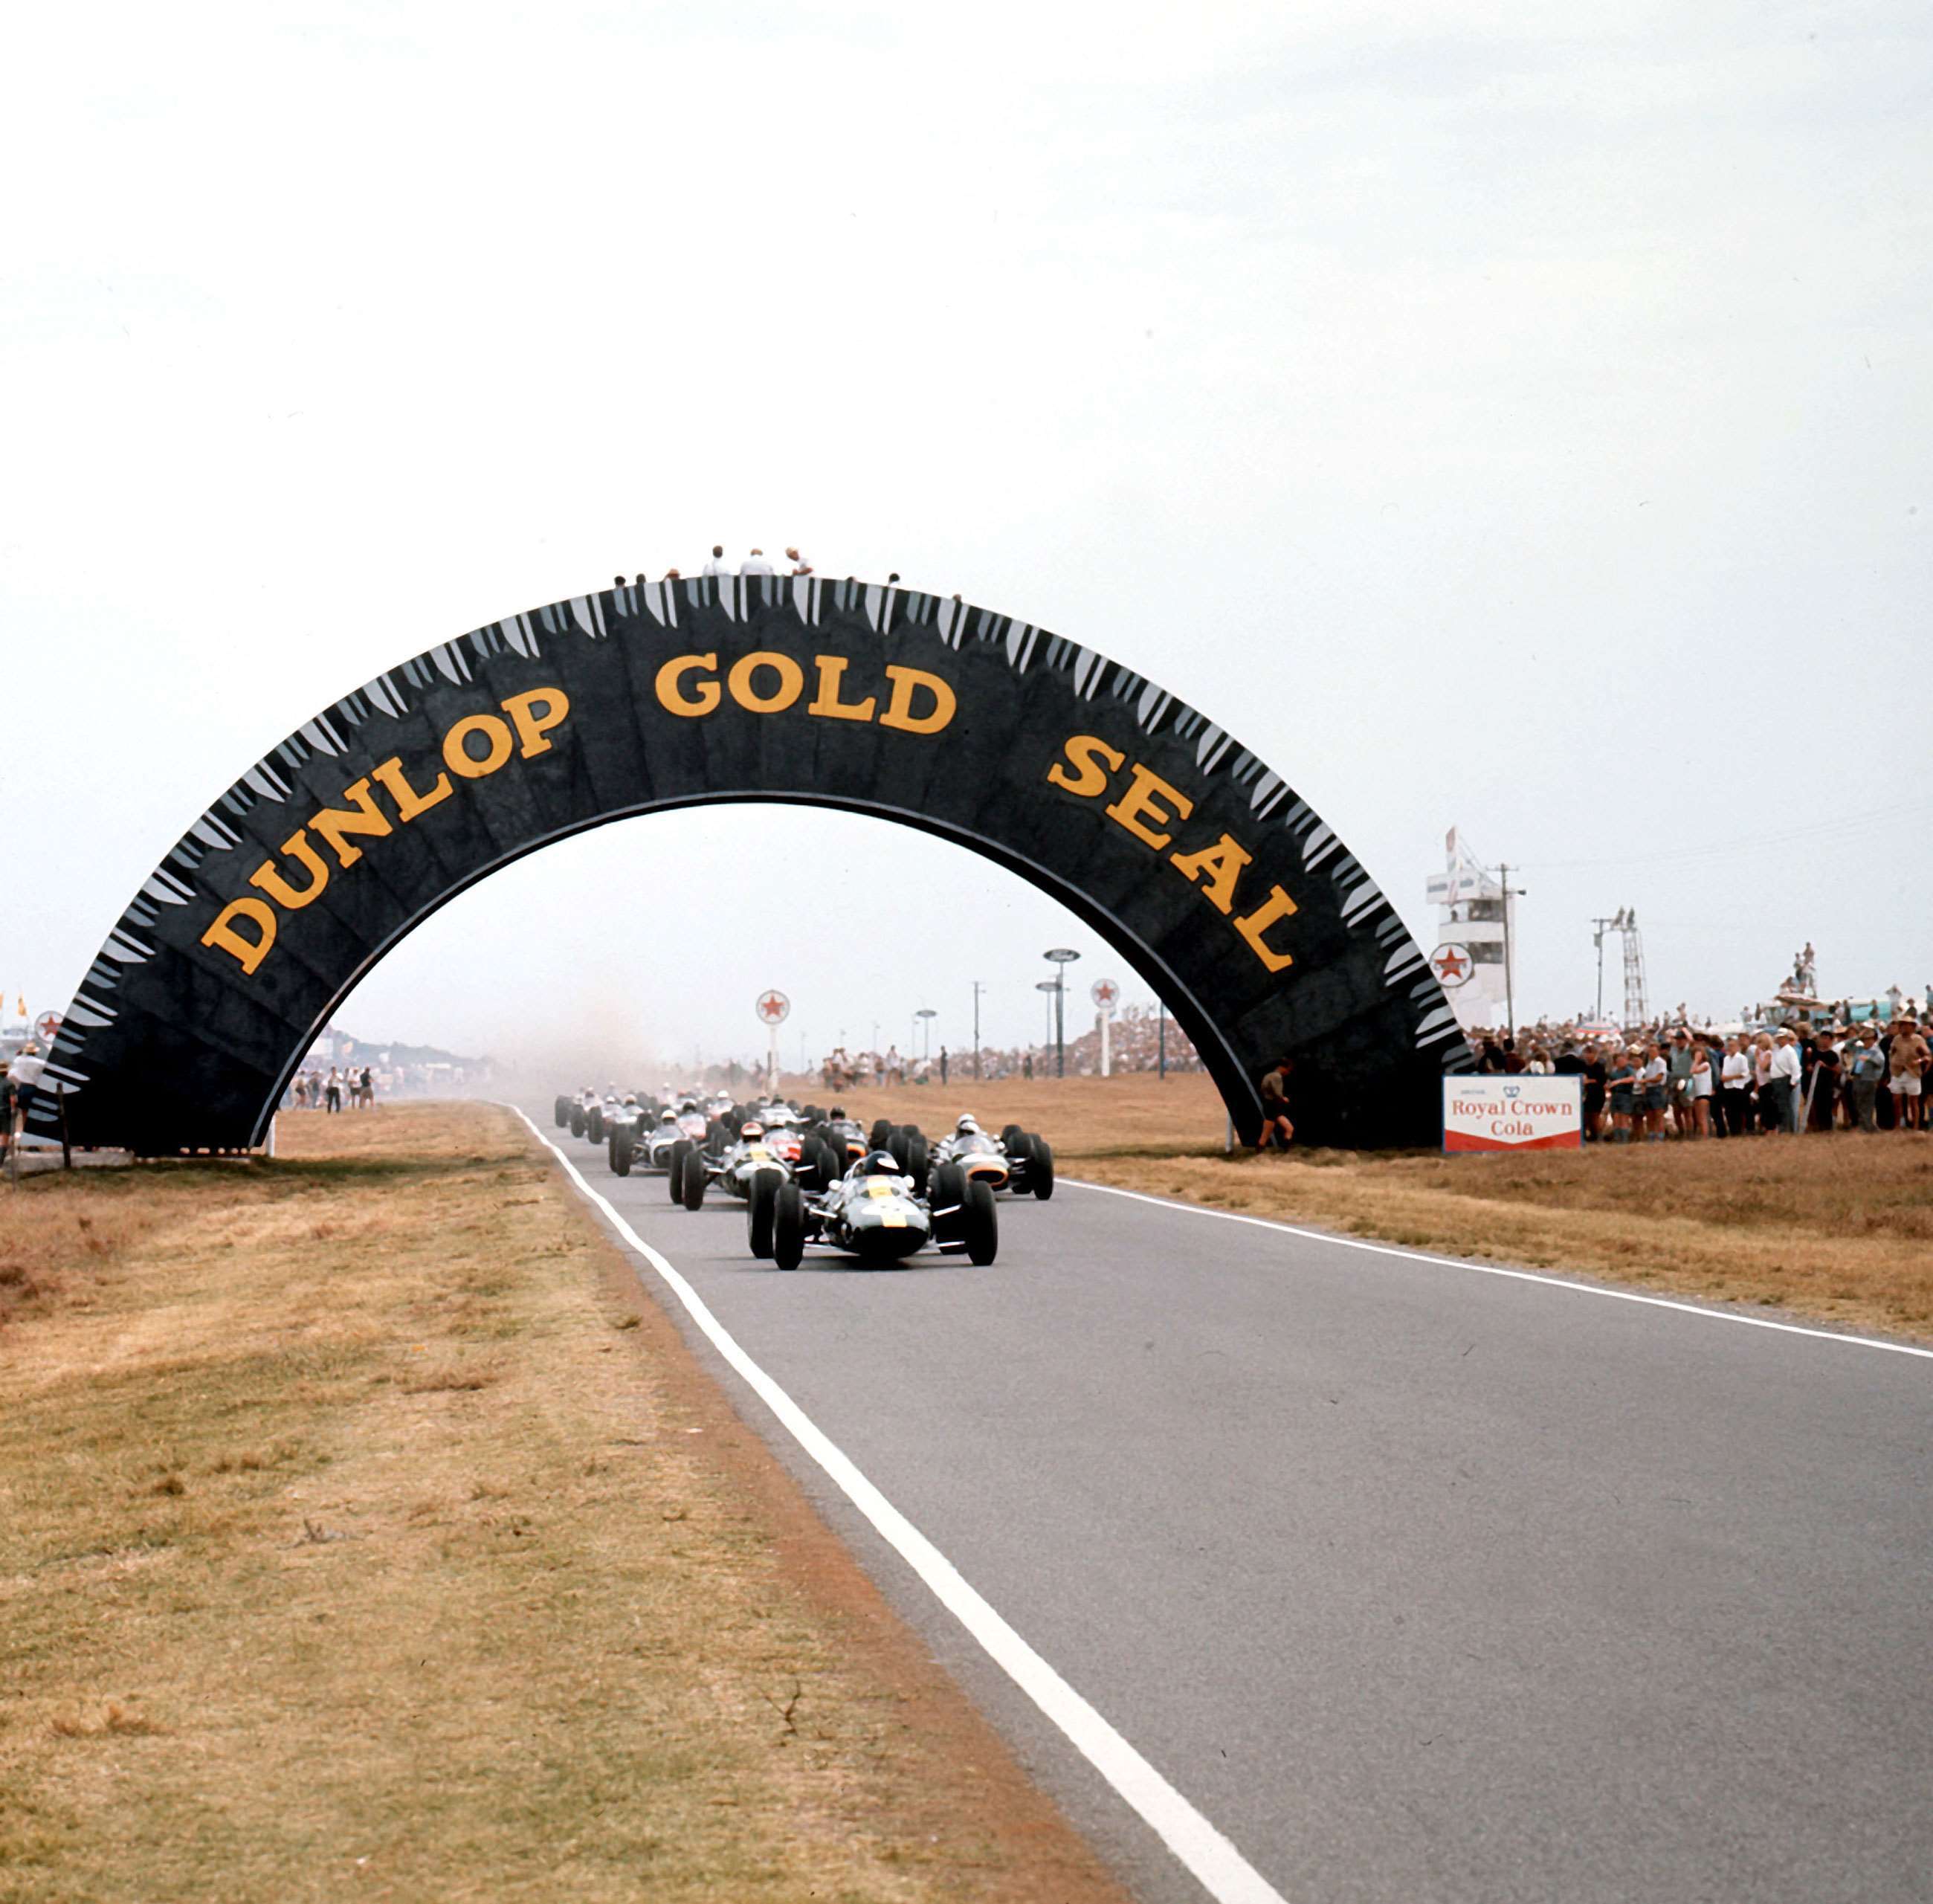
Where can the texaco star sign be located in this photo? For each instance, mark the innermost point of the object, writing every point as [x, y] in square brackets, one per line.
[1451, 964]
[47, 1026]
[1103, 992]
[773, 1007]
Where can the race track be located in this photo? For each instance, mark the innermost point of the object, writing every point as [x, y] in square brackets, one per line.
[1419, 1583]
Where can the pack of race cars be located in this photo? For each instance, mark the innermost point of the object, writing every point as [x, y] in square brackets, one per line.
[814, 1177]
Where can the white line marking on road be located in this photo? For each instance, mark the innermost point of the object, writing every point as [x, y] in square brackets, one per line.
[1216, 1865]
[1496, 1269]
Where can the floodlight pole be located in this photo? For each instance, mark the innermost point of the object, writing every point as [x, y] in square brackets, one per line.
[978, 988]
[1062, 956]
[1597, 939]
[1160, 1038]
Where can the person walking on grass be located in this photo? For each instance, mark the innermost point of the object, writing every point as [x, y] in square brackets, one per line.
[1278, 1130]
[333, 1089]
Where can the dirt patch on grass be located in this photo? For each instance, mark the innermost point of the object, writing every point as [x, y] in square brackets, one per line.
[363, 1529]
[1835, 1228]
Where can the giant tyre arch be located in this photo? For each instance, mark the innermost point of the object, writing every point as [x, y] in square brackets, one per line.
[1227, 894]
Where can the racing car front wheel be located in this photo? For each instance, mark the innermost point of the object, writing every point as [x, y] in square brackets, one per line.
[1040, 1168]
[758, 1208]
[594, 1124]
[577, 1120]
[981, 1226]
[561, 1111]
[787, 1226]
[692, 1192]
[675, 1171]
[622, 1146]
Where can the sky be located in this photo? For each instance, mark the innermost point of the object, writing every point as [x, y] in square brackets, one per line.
[1507, 415]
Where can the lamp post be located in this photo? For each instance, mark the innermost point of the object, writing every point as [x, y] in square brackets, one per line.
[1062, 956]
[1050, 986]
[927, 1013]
[978, 988]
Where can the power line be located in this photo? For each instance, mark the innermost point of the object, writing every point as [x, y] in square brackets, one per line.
[1816, 833]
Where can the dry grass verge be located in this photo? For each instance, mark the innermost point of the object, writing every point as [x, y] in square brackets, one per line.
[362, 1532]
[1834, 1229]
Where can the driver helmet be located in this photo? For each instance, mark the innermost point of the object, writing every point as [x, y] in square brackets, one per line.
[631, 1098]
[751, 1127]
[966, 1124]
[686, 1109]
[666, 1117]
[879, 1163]
[837, 1111]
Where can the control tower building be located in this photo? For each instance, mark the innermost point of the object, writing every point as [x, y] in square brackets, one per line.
[1476, 934]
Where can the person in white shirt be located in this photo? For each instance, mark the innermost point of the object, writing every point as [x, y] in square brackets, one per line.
[1782, 1081]
[800, 566]
[1735, 1081]
[717, 565]
[755, 563]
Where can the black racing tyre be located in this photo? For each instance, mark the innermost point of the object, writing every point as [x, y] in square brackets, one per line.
[593, 1123]
[759, 1208]
[982, 1227]
[715, 1138]
[623, 1147]
[577, 1120]
[561, 1110]
[691, 1192]
[787, 1226]
[1011, 1135]
[1040, 1167]
[946, 1198]
[812, 1115]
[680, 1151]
[916, 1146]
[827, 1163]
[881, 1133]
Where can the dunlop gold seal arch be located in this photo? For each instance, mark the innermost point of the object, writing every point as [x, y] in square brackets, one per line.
[1228, 894]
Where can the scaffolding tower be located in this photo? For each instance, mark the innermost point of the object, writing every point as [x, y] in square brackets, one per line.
[1623, 922]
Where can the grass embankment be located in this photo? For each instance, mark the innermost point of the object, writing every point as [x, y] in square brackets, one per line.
[1836, 1228]
[363, 1533]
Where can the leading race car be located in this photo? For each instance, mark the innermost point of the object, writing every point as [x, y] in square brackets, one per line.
[1016, 1160]
[873, 1213]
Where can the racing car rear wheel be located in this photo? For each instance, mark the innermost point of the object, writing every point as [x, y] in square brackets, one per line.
[882, 1135]
[916, 1159]
[787, 1226]
[946, 1197]
[675, 1171]
[593, 1123]
[577, 1120]
[691, 1192]
[623, 1145]
[982, 1227]
[561, 1110]
[829, 1162]
[1040, 1167]
[1010, 1135]
[758, 1208]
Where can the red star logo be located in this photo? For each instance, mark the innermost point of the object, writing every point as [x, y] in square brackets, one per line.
[1448, 965]
[1106, 994]
[771, 1006]
[47, 1026]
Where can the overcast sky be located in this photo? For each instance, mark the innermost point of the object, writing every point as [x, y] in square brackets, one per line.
[1509, 415]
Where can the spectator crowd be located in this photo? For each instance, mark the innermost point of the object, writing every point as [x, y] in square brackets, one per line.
[1682, 1082]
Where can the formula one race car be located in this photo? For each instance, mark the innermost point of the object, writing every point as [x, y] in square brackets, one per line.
[736, 1167]
[873, 1213]
[660, 1144]
[1016, 1160]
[845, 1137]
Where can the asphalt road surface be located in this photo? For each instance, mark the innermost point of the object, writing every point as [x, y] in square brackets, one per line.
[1419, 1583]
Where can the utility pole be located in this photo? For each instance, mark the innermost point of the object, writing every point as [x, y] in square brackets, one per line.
[978, 988]
[1599, 927]
[1160, 1038]
[1510, 984]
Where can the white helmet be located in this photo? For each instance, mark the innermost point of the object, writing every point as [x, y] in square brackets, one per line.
[966, 1124]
